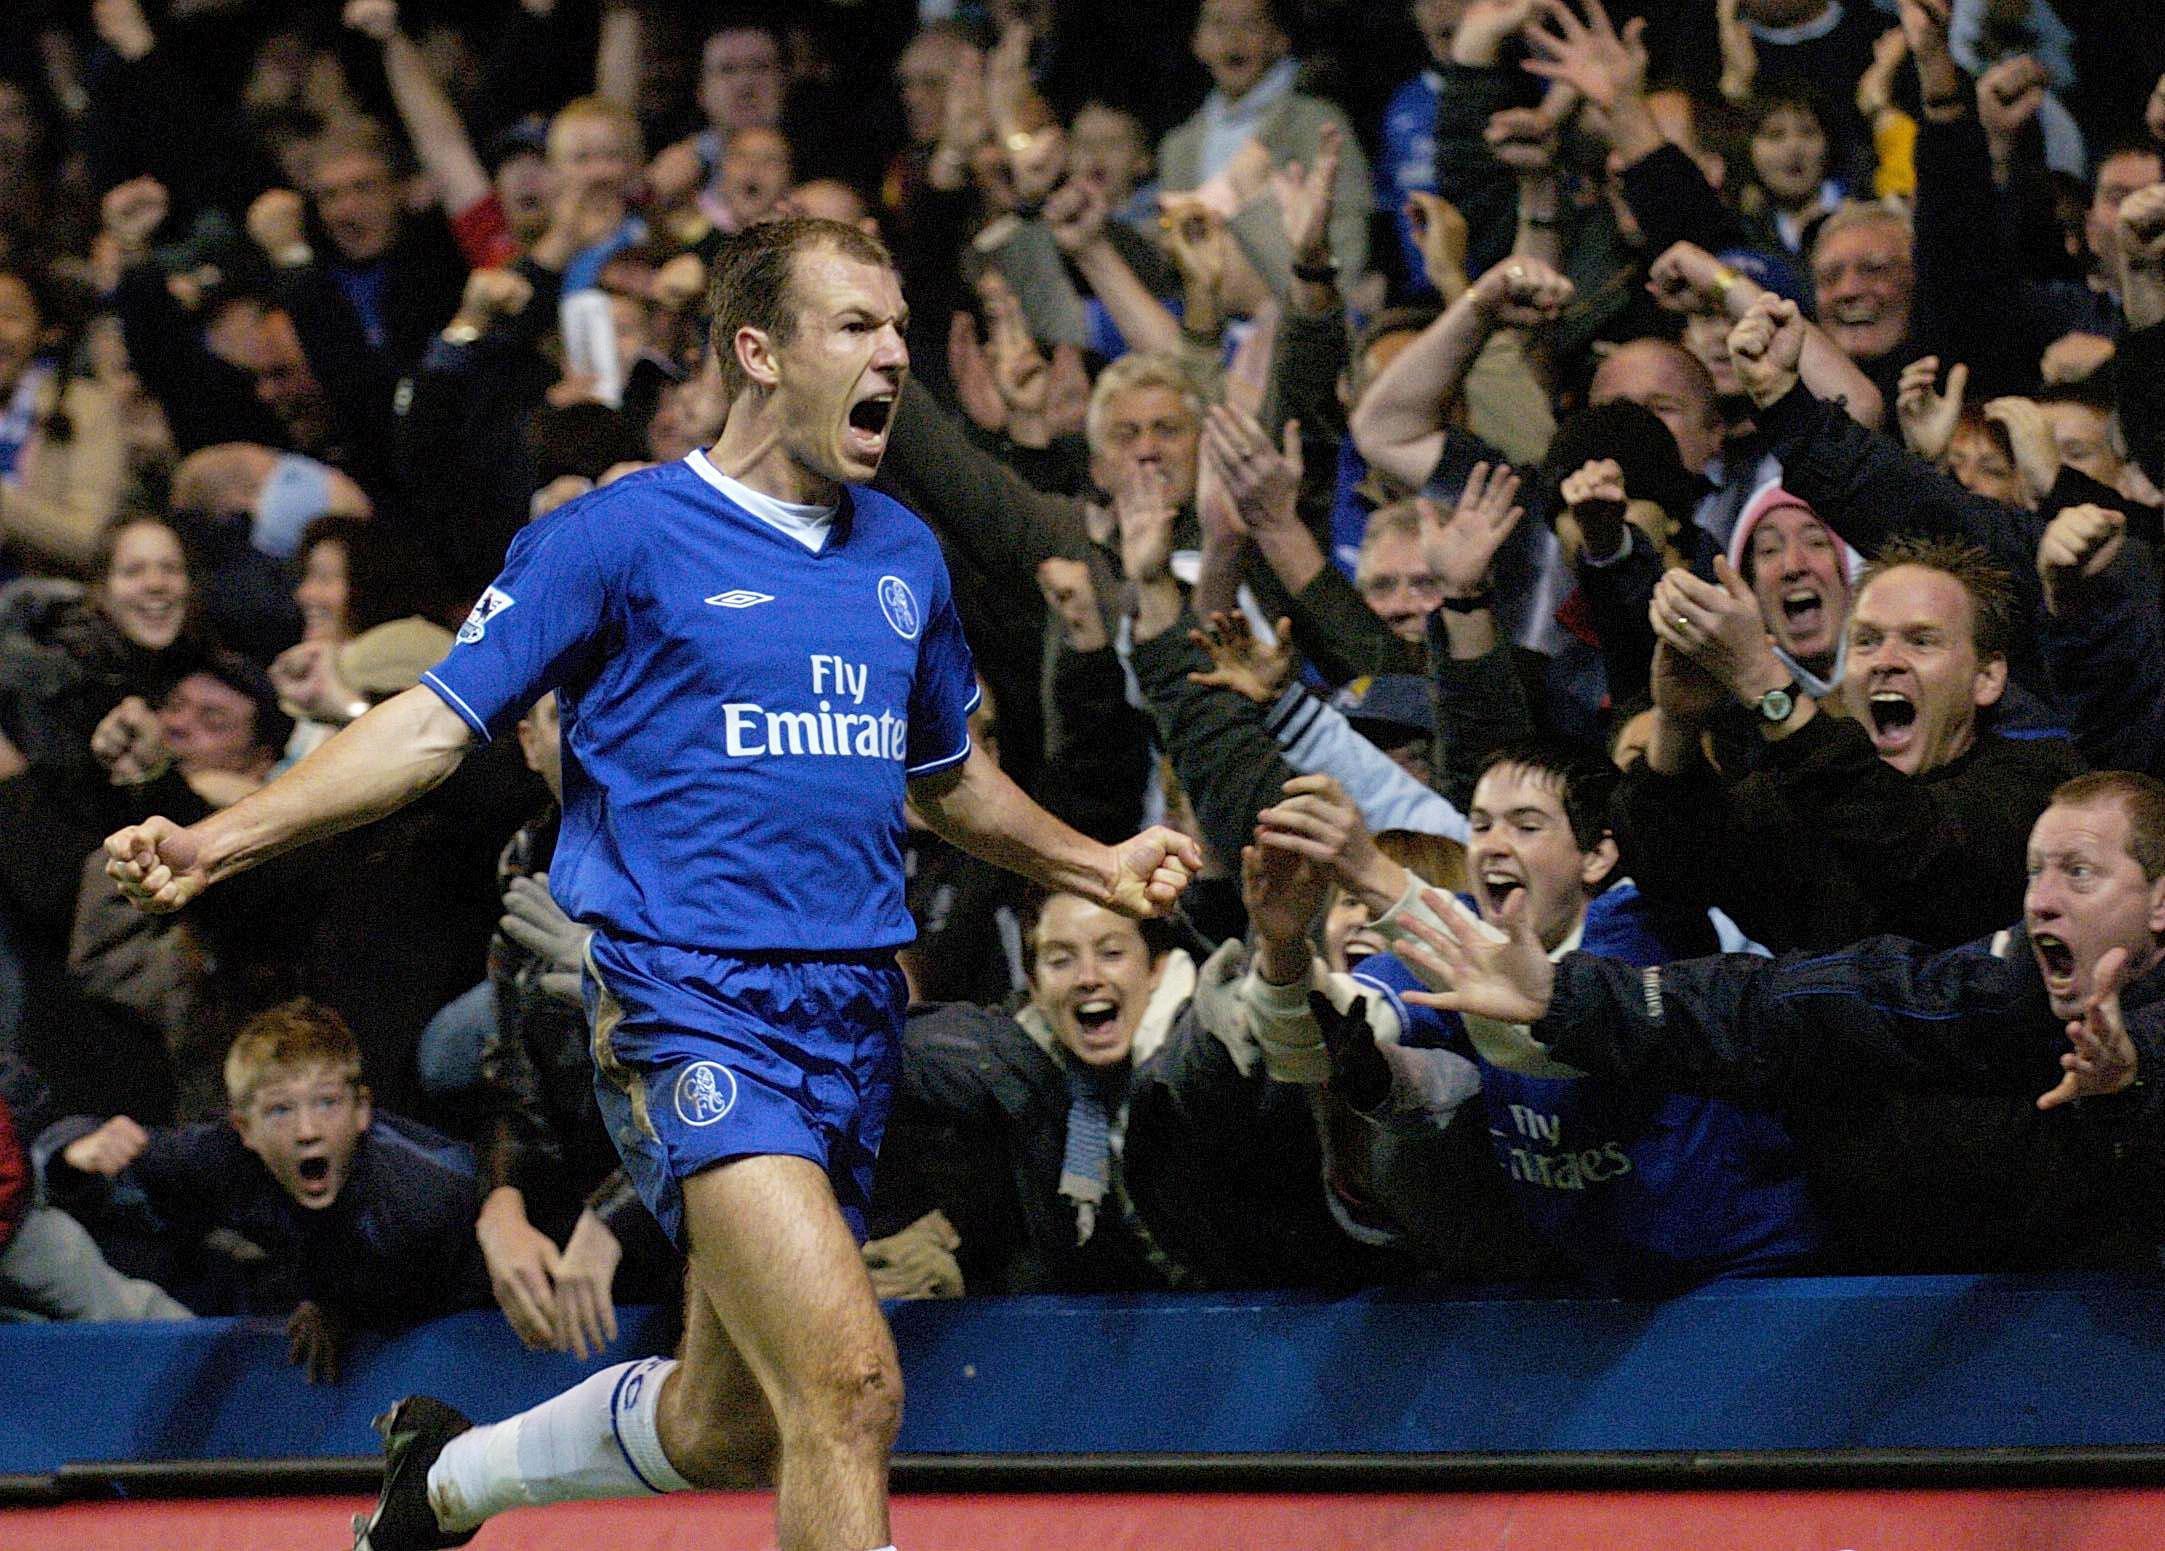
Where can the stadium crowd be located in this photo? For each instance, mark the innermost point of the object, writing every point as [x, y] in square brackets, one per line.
[1631, 536]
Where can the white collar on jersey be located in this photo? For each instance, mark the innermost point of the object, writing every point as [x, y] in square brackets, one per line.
[808, 525]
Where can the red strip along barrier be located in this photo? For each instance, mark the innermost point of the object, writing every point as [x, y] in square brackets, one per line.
[2064, 1520]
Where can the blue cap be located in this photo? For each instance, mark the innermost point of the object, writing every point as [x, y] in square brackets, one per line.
[1768, 271]
[528, 137]
[1389, 708]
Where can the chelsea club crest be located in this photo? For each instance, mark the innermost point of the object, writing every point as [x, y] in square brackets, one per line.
[899, 604]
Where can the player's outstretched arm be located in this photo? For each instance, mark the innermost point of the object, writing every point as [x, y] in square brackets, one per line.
[979, 809]
[379, 764]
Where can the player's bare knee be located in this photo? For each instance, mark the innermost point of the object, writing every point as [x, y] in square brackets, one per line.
[855, 1401]
[878, 1396]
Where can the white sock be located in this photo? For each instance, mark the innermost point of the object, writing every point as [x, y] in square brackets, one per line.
[600, 1438]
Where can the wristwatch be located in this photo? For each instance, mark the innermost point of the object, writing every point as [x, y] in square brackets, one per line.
[1776, 705]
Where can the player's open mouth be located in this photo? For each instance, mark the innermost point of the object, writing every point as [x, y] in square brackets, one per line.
[869, 416]
[2056, 961]
[313, 1171]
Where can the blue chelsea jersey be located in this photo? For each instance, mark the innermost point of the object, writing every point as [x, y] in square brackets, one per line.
[1407, 164]
[740, 714]
[1649, 1193]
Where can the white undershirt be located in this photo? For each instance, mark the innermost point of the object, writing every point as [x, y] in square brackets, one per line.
[808, 525]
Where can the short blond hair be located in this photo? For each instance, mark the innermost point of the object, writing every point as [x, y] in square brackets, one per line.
[2141, 797]
[285, 1040]
[1993, 610]
[1138, 369]
[1400, 519]
[355, 137]
[1437, 860]
[595, 109]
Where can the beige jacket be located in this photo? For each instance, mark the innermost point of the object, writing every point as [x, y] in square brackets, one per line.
[1290, 132]
[68, 487]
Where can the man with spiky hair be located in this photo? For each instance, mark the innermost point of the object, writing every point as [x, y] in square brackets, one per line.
[1894, 807]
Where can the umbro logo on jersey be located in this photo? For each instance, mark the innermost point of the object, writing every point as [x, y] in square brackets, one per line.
[740, 598]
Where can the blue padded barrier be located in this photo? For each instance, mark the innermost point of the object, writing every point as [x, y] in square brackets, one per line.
[1834, 1363]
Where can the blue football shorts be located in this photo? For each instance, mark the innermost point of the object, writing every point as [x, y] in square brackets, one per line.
[703, 1057]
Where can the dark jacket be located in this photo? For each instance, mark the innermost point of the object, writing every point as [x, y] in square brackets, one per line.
[1227, 761]
[1098, 769]
[1910, 1076]
[395, 1247]
[968, 915]
[63, 666]
[2140, 365]
[978, 1130]
[407, 907]
[462, 464]
[995, 529]
[2105, 655]
[540, 1130]
[418, 280]
[1343, 637]
[207, 399]
[1825, 843]
[1973, 302]
[1608, 274]
[1217, 1181]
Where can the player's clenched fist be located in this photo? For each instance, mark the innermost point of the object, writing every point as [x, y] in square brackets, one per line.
[1151, 871]
[156, 863]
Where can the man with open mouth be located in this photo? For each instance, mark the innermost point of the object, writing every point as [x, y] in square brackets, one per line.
[1618, 1186]
[757, 662]
[1803, 575]
[2069, 1006]
[1889, 805]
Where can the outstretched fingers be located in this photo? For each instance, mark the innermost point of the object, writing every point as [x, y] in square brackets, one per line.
[1476, 486]
[2102, 1059]
[1441, 949]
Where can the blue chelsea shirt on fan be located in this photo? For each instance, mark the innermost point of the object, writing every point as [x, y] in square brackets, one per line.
[741, 714]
